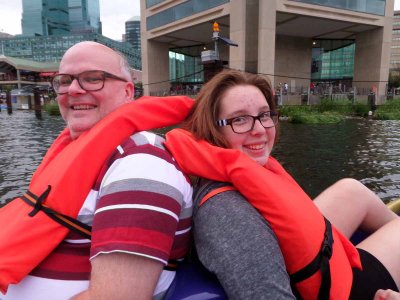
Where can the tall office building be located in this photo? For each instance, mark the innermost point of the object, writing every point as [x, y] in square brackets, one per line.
[132, 32]
[84, 16]
[395, 48]
[45, 17]
[275, 38]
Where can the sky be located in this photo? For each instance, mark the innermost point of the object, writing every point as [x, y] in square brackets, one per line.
[113, 15]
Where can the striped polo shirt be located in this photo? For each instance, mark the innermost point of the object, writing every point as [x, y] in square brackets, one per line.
[141, 204]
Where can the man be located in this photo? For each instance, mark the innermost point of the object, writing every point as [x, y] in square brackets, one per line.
[139, 208]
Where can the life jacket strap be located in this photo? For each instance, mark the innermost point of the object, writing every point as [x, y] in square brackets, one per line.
[71, 223]
[215, 192]
[319, 263]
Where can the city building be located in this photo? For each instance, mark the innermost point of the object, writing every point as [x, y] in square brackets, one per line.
[132, 32]
[395, 48]
[45, 17]
[58, 17]
[84, 16]
[19, 72]
[349, 40]
[52, 48]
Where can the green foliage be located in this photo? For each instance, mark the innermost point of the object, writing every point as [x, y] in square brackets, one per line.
[316, 118]
[388, 111]
[360, 109]
[383, 115]
[391, 105]
[340, 105]
[52, 109]
[394, 80]
[328, 111]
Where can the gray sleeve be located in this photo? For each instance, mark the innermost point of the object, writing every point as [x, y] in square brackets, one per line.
[237, 244]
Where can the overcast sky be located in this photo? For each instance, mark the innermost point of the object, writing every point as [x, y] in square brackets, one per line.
[113, 15]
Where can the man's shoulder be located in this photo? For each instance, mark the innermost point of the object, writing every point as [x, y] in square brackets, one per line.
[147, 138]
[143, 142]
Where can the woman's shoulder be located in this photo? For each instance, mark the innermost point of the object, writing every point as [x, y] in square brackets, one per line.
[210, 188]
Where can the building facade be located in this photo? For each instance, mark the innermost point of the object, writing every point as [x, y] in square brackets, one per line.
[60, 17]
[395, 48]
[52, 48]
[84, 16]
[45, 17]
[275, 38]
[132, 32]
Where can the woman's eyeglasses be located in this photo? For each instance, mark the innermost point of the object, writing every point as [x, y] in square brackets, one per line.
[243, 124]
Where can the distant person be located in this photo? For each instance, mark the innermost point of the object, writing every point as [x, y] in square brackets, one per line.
[230, 132]
[312, 87]
[133, 194]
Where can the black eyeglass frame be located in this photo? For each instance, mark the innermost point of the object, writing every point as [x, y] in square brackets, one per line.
[272, 114]
[104, 74]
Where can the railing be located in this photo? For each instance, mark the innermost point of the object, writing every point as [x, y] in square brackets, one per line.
[305, 95]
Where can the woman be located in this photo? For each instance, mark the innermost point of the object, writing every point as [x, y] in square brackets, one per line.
[236, 110]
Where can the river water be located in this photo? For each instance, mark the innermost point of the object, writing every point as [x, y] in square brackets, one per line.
[316, 155]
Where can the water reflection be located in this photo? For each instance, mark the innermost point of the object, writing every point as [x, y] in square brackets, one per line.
[319, 155]
[316, 155]
[23, 142]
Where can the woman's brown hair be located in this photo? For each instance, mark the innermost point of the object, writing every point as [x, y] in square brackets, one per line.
[203, 115]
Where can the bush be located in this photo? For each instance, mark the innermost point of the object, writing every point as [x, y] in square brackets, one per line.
[339, 105]
[52, 109]
[316, 118]
[384, 115]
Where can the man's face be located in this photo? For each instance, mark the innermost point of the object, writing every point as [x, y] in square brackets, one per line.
[82, 109]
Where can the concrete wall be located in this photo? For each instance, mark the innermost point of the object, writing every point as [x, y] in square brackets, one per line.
[293, 58]
[244, 30]
[155, 65]
[371, 62]
[266, 38]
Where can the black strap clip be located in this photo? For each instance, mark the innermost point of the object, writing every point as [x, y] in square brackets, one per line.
[326, 248]
[39, 201]
[319, 263]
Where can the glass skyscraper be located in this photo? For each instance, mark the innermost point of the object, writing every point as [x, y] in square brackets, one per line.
[84, 16]
[52, 48]
[45, 17]
[58, 17]
[132, 32]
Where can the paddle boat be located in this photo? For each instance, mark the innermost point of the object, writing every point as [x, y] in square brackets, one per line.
[194, 282]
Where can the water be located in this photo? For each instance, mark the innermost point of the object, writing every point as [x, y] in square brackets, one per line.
[23, 142]
[319, 155]
[316, 155]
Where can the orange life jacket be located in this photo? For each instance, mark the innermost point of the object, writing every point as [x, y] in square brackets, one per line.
[296, 221]
[71, 167]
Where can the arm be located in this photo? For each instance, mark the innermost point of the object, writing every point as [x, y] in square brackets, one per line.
[122, 276]
[387, 295]
[142, 201]
[235, 242]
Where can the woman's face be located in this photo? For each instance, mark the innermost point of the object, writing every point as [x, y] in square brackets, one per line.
[243, 100]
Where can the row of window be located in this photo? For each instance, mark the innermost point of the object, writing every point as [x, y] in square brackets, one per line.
[181, 11]
[376, 7]
[52, 48]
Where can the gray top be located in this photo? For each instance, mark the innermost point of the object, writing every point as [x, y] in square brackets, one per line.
[237, 244]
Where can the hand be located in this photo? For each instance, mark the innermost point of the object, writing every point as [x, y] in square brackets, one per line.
[387, 295]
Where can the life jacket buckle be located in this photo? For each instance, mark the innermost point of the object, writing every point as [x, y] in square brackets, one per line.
[39, 201]
[326, 249]
[327, 245]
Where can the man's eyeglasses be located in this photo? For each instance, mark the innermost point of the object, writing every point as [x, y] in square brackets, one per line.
[243, 124]
[89, 81]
